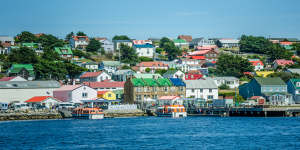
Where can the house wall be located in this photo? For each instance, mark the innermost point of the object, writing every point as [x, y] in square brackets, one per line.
[145, 52]
[250, 89]
[21, 95]
[77, 94]
[103, 76]
[109, 88]
[109, 96]
[233, 83]
[197, 93]
[64, 96]
[142, 69]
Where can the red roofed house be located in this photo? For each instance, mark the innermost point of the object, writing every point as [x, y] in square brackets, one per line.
[208, 54]
[94, 76]
[258, 64]
[207, 47]
[79, 42]
[187, 38]
[258, 100]
[153, 65]
[106, 85]
[141, 42]
[75, 93]
[15, 78]
[282, 63]
[46, 101]
[193, 75]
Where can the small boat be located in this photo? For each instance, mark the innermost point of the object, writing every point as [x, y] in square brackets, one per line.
[174, 111]
[88, 113]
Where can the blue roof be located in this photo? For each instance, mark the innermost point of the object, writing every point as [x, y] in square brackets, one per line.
[177, 82]
[144, 46]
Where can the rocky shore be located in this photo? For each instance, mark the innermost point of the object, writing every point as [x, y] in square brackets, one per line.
[29, 115]
[123, 113]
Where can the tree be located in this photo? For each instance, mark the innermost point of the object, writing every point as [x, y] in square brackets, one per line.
[93, 46]
[278, 52]
[50, 41]
[74, 70]
[163, 41]
[128, 55]
[69, 36]
[170, 48]
[142, 58]
[25, 37]
[147, 70]
[285, 76]
[1, 46]
[50, 55]
[159, 50]
[80, 33]
[233, 65]
[121, 37]
[296, 47]
[125, 67]
[102, 51]
[160, 71]
[254, 44]
[23, 55]
[224, 87]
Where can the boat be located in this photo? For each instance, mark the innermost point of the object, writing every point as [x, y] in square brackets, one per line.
[88, 113]
[174, 111]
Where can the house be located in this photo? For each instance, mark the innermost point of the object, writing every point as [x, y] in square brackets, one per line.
[138, 90]
[263, 73]
[180, 43]
[7, 40]
[122, 75]
[153, 65]
[206, 47]
[107, 95]
[106, 85]
[15, 78]
[224, 103]
[179, 86]
[147, 75]
[109, 66]
[144, 50]
[257, 64]
[292, 70]
[211, 55]
[75, 93]
[203, 42]
[37, 47]
[22, 90]
[293, 87]
[229, 43]
[232, 82]
[259, 100]
[282, 63]
[187, 38]
[174, 74]
[204, 89]
[193, 75]
[286, 44]
[107, 45]
[91, 66]
[25, 71]
[79, 42]
[274, 90]
[46, 101]
[64, 52]
[141, 42]
[94, 76]
[117, 43]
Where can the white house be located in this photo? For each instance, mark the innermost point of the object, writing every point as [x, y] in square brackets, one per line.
[47, 101]
[75, 93]
[92, 66]
[94, 76]
[232, 82]
[107, 45]
[204, 88]
[174, 74]
[109, 66]
[117, 43]
[229, 43]
[258, 64]
[79, 42]
[145, 50]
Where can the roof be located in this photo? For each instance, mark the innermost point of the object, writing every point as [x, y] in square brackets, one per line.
[151, 82]
[201, 52]
[202, 83]
[170, 72]
[105, 84]
[101, 92]
[269, 81]
[144, 46]
[152, 64]
[63, 50]
[226, 78]
[256, 62]
[120, 72]
[168, 97]
[90, 74]
[286, 43]
[28, 84]
[7, 78]
[16, 68]
[229, 41]
[37, 99]
[141, 42]
[179, 41]
[294, 82]
[147, 75]
[177, 82]
[68, 87]
[198, 57]
[30, 44]
[164, 82]
[255, 97]
[188, 38]
[283, 62]
[111, 63]
[206, 47]
[294, 70]
[76, 38]
[137, 82]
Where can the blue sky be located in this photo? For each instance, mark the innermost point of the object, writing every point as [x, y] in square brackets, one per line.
[141, 19]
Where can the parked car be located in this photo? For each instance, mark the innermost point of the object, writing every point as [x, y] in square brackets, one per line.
[18, 106]
[3, 106]
[66, 105]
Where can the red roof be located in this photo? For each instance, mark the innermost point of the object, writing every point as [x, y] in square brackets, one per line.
[90, 74]
[76, 38]
[198, 57]
[168, 97]
[106, 84]
[101, 92]
[37, 99]
[7, 78]
[188, 38]
[207, 47]
[256, 63]
[194, 72]
[152, 64]
[255, 97]
[286, 43]
[283, 62]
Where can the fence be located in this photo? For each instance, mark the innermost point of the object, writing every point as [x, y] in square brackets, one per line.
[122, 107]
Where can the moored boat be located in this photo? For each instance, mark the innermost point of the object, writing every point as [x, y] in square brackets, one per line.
[88, 113]
[174, 111]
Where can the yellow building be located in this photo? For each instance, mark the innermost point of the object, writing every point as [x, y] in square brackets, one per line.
[108, 95]
[263, 73]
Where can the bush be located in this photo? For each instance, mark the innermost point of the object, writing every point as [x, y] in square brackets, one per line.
[147, 70]
[145, 58]
[224, 87]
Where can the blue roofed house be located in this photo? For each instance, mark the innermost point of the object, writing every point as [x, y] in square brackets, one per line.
[145, 50]
[273, 89]
[179, 86]
[293, 86]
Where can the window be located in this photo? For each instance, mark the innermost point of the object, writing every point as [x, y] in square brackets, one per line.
[210, 96]
[298, 84]
[210, 90]
[154, 89]
[181, 88]
[148, 51]
[193, 90]
[166, 89]
[201, 90]
[109, 95]
[84, 95]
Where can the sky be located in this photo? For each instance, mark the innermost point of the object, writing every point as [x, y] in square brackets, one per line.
[141, 19]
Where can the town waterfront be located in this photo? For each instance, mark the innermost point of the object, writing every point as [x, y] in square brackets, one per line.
[153, 133]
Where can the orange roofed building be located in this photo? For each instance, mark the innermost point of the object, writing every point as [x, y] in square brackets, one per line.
[153, 65]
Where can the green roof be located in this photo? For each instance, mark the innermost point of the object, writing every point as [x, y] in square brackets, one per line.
[270, 81]
[294, 81]
[179, 41]
[146, 75]
[150, 82]
[63, 50]
[138, 82]
[16, 68]
[111, 63]
[164, 82]
[33, 45]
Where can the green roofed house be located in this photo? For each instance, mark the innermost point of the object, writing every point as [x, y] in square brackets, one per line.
[26, 71]
[140, 90]
[273, 89]
[147, 75]
[35, 46]
[64, 52]
[180, 43]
